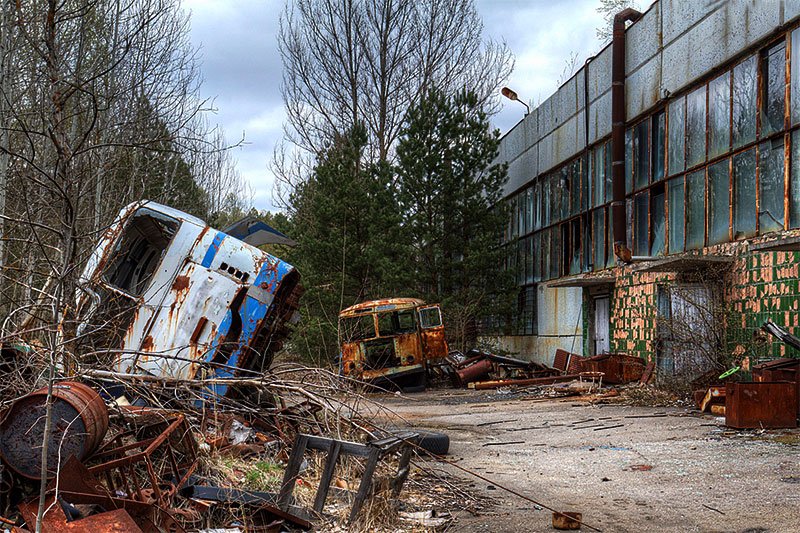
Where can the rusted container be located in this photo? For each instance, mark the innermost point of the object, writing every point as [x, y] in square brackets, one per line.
[616, 367]
[780, 370]
[79, 423]
[765, 404]
[474, 372]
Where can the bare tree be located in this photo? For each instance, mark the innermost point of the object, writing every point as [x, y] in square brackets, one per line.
[368, 61]
[609, 8]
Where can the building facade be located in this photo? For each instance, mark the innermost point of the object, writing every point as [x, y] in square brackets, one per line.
[709, 122]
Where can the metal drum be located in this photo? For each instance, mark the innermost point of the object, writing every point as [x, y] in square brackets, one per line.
[79, 423]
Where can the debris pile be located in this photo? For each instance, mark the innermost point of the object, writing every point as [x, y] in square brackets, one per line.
[178, 464]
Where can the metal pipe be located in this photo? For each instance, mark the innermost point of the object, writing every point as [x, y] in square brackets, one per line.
[621, 249]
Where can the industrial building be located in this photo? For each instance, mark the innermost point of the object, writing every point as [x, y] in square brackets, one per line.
[655, 196]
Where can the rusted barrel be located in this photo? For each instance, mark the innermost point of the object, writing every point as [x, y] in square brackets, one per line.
[79, 423]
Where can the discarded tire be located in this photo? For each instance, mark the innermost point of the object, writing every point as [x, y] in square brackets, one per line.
[433, 441]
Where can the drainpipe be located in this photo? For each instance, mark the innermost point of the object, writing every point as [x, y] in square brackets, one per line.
[618, 131]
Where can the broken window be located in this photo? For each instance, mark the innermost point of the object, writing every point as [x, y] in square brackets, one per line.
[744, 194]
[744, 102]
[719, 117]
[521, 262]
[794, 186]
[396, 323]
[599, 239]
[677, 135]
[773, 87]
[696, 127]
[575, 244]
[628, 160]
[529, 209]
[586, 261]
[658, 131]
[529, 259]
[139, 250]
[609, 175]
[584, 164]
[430, 317]
[556, 252]
[676, 214]
[357, 328]
[599, 169]
[545, 254]
[641, 165]
[770, 186]
[657, 221]
[566, 186]
[545, 202]
[537, 205]
[575, 187]
[641, 246]
[719, 202]
[695, 209]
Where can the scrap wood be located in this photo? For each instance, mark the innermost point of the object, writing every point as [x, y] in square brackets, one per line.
[482, 385]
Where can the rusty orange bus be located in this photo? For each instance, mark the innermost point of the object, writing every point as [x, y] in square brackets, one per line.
[389, 342]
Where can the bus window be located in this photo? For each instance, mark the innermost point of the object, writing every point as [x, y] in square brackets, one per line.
[357, 328]
[430, 317]
[396, 323]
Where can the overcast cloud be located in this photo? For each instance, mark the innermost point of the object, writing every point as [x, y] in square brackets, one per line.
[242, 68]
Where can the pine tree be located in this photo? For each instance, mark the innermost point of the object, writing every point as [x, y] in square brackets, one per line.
[350, 243]
[450, 193]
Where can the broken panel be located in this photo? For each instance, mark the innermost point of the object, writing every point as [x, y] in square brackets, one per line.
[610, 256]
[744, 194]
[641, 246]
[719, 115]
[657, 220]
[695, 209]
[696, 127]
[545, 201]
[641, 164]
[628, 160]
[773, 87]
[719, 202]
[537, 205]
[770, 186]
[676, 214]
[575, 246]
[584, 169]
[599, 171]
[529, 209]
[744, 102]
[658, 131]
[677, 135]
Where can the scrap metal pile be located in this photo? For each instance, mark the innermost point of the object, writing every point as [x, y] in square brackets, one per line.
[112, 466]
[483, 370]
[767, 398]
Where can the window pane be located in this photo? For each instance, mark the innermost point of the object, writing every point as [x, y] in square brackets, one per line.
[744, 194]
[546, 202]
[529, 258]
[677, 138]
[586, 251]
[719, 202]
[695, 209]
[555, 251]
[599, 239]
[609, 174]
[744, 102]
[545, 259]
[657, 222]
[569, 190]
[696, 127]
[537, 205]
[641, 167]
[641, 246]
[773, 97]
[794, 186]
[557, 191]
[658, 131]
[770, 186]
[795, 98]
[577, 186]
[430, 317]
[676, 212]
[628, 160]
[599, 169]
[719, 119]
[584, 166]
[575, 244]
[611, 258]
[529, 209]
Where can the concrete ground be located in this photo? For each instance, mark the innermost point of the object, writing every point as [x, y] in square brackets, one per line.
[627, 469]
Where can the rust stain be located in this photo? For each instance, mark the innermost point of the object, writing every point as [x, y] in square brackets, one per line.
[147, 343]
[181, 283]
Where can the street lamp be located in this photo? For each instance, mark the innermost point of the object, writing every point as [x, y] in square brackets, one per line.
[511, 95]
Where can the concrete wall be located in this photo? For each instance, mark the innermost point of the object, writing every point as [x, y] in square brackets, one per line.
[673, 45]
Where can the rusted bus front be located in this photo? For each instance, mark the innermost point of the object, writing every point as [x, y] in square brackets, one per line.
[166, 295]
[390, 338]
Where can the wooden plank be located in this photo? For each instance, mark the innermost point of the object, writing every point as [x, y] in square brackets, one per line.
[292, 471]
[366, 482]
[327, 476]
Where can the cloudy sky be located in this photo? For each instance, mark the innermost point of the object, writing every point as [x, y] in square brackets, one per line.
[242, 68]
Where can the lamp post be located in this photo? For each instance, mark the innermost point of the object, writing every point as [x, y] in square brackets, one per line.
[511, 95]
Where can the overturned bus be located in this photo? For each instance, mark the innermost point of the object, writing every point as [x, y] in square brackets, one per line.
[389, 342]
[165, 295]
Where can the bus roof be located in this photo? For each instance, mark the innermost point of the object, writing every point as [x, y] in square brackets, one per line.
[387, 304]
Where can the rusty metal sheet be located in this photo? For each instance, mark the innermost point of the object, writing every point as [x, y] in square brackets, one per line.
[55, 521]
[386, 304]
[761, 405]
[617, 368]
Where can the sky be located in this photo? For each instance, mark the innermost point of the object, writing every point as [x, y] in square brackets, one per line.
[241, 66]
